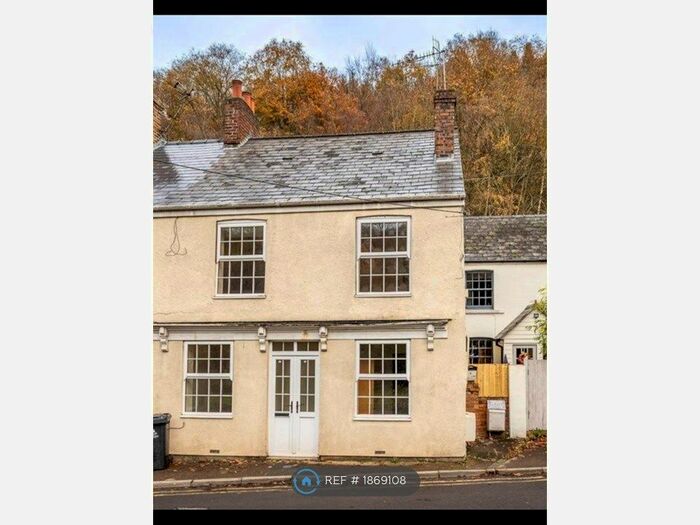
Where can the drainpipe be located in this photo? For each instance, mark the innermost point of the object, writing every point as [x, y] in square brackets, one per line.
[499, 344]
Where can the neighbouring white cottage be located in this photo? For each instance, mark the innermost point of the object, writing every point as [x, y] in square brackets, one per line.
[505, 265]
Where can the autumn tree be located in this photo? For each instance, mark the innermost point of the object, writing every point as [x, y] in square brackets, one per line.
[501, 113]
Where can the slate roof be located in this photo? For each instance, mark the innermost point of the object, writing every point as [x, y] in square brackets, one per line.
[509, 238]
[376, 166]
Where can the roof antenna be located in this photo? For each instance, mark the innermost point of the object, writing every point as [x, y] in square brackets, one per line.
[435, 58]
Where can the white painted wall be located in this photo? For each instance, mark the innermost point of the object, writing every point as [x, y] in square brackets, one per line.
[515, 286]
[517, 400]
[471, 426]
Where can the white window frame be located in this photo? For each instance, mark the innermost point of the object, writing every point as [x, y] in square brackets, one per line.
[535, 350]
[194, 375]
[372, 255]
[406, 376]
[254, 257]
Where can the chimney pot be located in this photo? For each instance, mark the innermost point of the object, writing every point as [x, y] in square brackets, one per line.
[236, 88]
[445, 101]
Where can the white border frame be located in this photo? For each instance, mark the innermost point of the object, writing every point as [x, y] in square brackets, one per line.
[255, 257]
[383, 417]
[409, 242]
[206, 415]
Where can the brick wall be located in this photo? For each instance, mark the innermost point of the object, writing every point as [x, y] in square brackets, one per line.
[478, 406]
[445, 101]
[239, 121]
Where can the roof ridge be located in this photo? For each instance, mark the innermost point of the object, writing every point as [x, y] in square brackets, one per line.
[353, 134]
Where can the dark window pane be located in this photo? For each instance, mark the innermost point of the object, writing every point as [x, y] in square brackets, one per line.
[402, 388]
[258, 232]
[364, 351]
[364, 266]
[377, 266]
[226, 387]
[377, 229]
[235, 286]
[390, 406]
[403, 265]
[226, 351]
[377, 284]
[401, 244]
[390, 229]
[364, 230]
[258, 247]
[235, 248]
[377, 245]
[259, 285]
[377, 406]
[235, 268]
[247, 286]
[248, 247]
[364, 284]
[247, 233]
[201, 403]
[390, 265]
[390, 283]
[376, 351]
[260, 268]
[390, 245]
[364, 245]
[247, 267]
[402, 406]
[225, 234]
[214, 404]
[190, 404]
[226, 404]
[403, 283]
[236, 233]
[214, 366]
[403, 229]
[389, 388]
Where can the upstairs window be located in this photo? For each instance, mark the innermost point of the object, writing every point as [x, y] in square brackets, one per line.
[480, 350]
[240, 258]
[383, 256]
[480, 288]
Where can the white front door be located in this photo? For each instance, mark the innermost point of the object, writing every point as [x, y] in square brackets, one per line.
[293, 425]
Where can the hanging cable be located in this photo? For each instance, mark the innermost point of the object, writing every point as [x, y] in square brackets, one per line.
[175, 248]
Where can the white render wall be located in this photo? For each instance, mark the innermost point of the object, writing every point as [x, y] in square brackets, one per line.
[521, 334]
[515, 286]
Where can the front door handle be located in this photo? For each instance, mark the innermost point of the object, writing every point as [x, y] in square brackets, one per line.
[297, 407]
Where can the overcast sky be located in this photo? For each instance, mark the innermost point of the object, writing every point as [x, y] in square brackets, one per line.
[328, 39]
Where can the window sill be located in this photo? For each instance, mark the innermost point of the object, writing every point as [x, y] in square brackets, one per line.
[389, 294]
[205, 416]
[381, 418]
[241, 296]
[482, 311]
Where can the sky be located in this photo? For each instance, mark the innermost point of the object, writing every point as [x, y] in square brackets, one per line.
[328, 39]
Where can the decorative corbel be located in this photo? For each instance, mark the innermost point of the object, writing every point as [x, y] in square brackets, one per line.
[323, 334]
[262, 334]
[430, 332]
[163, 336]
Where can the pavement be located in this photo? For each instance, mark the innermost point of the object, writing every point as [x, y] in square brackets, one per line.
[512, 458]
[505, 493]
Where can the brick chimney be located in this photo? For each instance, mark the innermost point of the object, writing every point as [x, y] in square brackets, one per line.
[240, 122]
[445, 101]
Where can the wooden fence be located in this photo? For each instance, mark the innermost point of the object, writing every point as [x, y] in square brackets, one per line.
[492, 380]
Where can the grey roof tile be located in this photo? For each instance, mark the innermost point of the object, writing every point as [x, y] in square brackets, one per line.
[340, 168]
[505, 238]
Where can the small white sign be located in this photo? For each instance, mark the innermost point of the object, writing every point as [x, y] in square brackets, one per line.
[496, 404]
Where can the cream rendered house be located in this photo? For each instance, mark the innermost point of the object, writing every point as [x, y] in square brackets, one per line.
[505, 266]
[308, 291]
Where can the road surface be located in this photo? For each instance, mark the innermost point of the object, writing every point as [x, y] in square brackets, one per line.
[496, 494]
